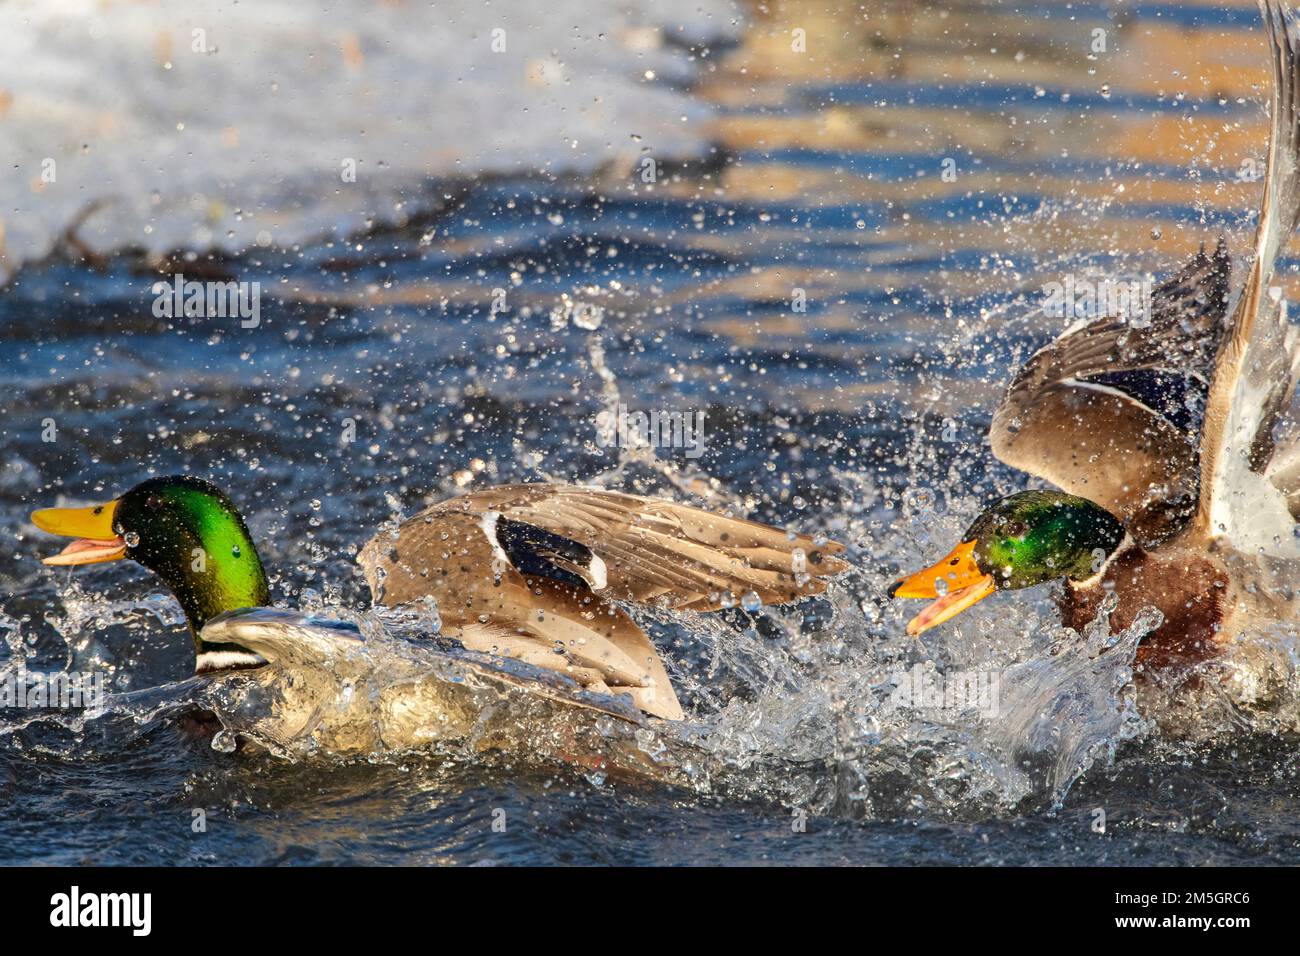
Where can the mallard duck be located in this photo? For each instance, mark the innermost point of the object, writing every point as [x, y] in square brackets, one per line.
[532, 572]
[1196, 518]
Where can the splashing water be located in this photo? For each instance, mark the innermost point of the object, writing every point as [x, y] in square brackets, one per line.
[823, 705]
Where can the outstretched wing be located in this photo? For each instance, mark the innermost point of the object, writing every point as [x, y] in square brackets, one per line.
[630, 548]
[1255, 374]
[1109, 411]
[532, 572]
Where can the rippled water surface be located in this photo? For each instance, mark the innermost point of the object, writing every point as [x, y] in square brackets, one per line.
[469, 323]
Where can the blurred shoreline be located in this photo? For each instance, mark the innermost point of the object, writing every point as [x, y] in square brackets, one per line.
[196, 124]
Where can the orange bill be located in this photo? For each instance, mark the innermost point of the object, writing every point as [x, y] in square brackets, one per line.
[956, 583]
[92, 527]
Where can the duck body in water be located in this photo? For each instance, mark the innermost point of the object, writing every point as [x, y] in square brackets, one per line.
[527, 580]
[1180, 481]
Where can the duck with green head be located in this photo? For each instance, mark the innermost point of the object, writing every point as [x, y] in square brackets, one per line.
[1206, 596]
[189, 533]
[1180, 490]
[1027, 539]
[532, 572]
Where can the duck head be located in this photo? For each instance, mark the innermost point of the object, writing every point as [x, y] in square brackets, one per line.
[1026, 539]
[187, 532]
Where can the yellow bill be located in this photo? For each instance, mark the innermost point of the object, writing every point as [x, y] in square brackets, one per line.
[92, 527]
[956, 583]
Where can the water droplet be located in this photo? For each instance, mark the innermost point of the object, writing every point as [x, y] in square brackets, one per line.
[223, 742]
[751, 602]
[587, 316]
[132, 539]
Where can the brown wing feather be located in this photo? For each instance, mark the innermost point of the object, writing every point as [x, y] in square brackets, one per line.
[671, 554]
[492, 608]
[536, 594]
[1101, 443]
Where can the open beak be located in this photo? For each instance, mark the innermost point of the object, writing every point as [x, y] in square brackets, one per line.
[92, 527]
[963, 584]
